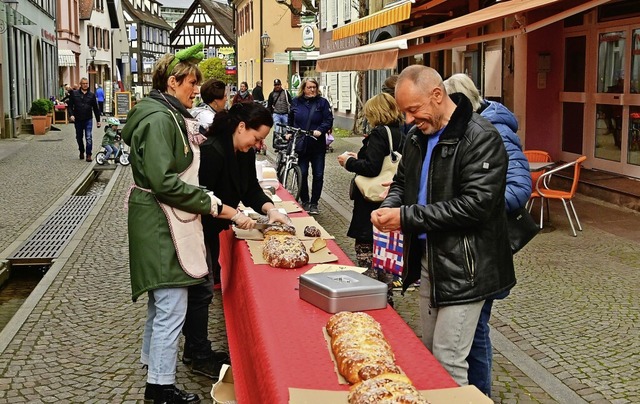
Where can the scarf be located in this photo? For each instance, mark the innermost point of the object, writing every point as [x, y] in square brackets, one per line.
[244, 94]
[170, 102]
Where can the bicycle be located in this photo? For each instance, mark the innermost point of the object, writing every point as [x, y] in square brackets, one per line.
[287, 168]
[121, 157]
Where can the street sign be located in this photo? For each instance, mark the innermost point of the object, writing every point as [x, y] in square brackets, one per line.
[281, 58]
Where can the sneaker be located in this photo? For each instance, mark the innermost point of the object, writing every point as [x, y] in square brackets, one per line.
[305, 206]
[81, 156]
[313, 209]
[156, 394]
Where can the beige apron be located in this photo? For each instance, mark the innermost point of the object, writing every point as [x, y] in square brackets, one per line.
[186, 228]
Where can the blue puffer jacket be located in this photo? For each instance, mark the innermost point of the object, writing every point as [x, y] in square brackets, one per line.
[518, 188]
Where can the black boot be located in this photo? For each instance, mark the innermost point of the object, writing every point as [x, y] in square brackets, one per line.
[209, 365]
[168, 394]
[187, 355]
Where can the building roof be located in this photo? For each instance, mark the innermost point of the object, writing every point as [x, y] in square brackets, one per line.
[144, 17]
[220, 13]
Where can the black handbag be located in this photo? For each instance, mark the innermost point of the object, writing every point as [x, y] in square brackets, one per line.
[521, 227]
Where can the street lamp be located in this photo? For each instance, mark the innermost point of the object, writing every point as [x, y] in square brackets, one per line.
[92, 53]
[264, 41]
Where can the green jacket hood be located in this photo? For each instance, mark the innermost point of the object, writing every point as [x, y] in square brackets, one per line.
[142, 110]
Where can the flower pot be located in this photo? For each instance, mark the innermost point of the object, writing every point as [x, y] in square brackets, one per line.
[49, 120]
[39, 124]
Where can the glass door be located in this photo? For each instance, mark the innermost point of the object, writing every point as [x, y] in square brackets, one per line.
[616, 118]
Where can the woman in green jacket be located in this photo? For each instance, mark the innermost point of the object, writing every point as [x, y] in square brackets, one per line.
[166, 243]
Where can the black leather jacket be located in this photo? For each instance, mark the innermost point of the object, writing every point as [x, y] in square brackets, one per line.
[467, 244]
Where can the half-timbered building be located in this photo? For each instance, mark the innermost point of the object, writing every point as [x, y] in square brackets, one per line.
[206, 21]
[148, 41]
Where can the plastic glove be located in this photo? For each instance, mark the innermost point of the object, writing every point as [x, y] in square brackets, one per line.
[243, 221]
[273, 215]
[216, 204]
[317, 133]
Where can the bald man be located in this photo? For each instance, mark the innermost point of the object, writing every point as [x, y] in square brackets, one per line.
[448, 200]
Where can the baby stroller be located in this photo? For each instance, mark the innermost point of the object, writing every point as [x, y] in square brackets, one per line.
[122, 156]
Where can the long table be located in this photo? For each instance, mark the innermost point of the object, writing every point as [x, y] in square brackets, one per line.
[276, 339]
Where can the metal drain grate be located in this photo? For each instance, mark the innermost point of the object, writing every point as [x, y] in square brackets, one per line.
[48, 241]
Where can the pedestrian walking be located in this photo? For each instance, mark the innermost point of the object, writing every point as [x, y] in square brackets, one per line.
[279, 103]
[100, 98]
[448, 199]
[81, 104]
[257, 93]
[243, 95]
[310, 111]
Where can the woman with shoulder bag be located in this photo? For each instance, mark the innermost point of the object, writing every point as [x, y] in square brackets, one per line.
[383, 115]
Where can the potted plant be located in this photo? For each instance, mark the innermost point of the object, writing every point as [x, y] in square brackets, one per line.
[38, 112]
[49, 113]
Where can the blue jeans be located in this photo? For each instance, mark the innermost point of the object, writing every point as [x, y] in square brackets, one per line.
[448, 331]
[480, 357]
[166, 311]
[282, 119]
[317, 167]
[110, 150]
[83, 130]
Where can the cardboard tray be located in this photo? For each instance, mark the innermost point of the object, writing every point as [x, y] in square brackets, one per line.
[464, 394]
[223, 391]
[298, 222]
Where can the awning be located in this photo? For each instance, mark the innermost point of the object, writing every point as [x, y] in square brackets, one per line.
[380, 19]
[379, 55]
[66, 57]
[459, 26]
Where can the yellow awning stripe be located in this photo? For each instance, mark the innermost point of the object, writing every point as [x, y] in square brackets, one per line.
[377, 20]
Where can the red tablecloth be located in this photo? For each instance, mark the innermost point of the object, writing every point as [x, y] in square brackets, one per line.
[276, 340]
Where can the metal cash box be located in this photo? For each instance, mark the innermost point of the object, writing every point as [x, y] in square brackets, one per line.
[343, 291]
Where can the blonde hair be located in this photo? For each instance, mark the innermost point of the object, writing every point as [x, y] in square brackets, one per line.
[180, 72]
[304, 85]
[382, 110]
[461, 83]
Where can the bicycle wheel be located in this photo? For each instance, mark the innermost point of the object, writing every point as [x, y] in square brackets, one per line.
[293, 181]
[100, 158]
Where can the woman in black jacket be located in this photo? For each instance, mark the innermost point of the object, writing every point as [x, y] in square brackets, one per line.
[381, 112]
[227, 167]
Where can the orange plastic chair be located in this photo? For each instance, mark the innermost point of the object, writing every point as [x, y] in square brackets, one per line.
[547, 193]
[536, 156]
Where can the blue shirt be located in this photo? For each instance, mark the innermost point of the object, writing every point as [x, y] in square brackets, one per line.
[424, 175]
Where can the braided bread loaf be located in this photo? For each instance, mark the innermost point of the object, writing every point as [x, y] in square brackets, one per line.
[388, 388]
[359, 346]
[284, 251]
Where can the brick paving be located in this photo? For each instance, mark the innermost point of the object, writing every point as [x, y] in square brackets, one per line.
[569, 331]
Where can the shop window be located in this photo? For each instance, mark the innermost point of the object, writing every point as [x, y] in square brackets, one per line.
[611, 62]
[635, 62]
[574, 63]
